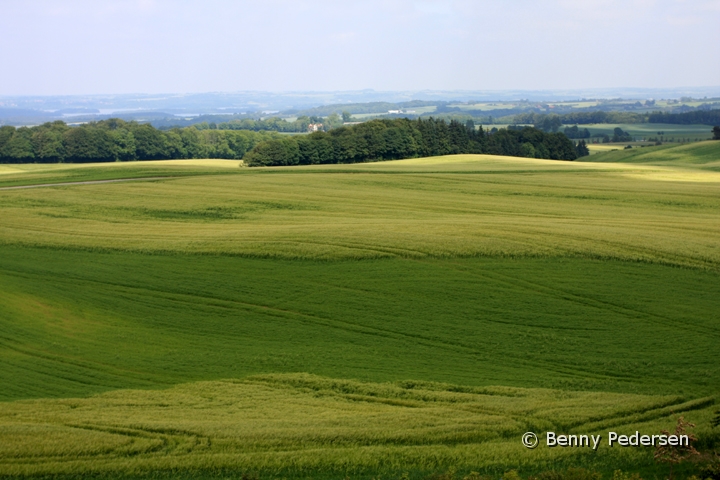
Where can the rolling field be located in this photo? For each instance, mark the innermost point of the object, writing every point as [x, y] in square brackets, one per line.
[703, 157]
[12, 175]
[356, 320]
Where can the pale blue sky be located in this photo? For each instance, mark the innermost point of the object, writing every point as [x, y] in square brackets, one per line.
[149, 46]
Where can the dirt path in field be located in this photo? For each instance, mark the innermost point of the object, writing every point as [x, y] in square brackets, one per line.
[88, 182]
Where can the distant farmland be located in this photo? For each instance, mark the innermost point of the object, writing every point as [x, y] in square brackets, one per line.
[365, 320]
[660, 131]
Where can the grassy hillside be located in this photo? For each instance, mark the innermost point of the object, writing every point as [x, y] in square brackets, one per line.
[704, 155]
[473, 284]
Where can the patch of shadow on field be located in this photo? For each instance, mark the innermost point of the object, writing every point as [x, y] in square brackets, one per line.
[557, 195]
[620, 199]
[125, 213]
[209, 213]
[677, 203]
[23, 202]
[226, 212]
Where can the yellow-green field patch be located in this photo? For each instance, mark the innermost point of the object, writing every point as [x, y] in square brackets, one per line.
[278, 424]
[439, 207]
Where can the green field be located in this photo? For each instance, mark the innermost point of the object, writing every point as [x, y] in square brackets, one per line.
[670, 132]
[34, 174]
[367, 320]
[690, 157]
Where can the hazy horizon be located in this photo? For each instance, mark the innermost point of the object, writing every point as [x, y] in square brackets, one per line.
[160, 47]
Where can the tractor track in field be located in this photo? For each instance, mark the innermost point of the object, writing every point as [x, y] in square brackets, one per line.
[86, 182]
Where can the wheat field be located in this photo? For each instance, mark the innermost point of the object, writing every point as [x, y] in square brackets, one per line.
[289, 424]
[383, 320]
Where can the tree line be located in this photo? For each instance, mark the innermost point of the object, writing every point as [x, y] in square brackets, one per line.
[117, 140]
[551, 121]
[272, 124]
[367, 107]
[575, 132]
[404, 138]
[697, 117]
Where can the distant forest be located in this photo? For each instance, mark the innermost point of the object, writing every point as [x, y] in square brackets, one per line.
[549, 122]
[117, 140]
[404, 138]
[697, 117]
[244, 122]
[552, 121]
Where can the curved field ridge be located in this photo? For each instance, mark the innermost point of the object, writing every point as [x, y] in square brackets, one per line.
[283, 424]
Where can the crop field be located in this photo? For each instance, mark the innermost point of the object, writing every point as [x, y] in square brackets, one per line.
[302, 423]
[34, 174]
[596, 148]
[379, 320]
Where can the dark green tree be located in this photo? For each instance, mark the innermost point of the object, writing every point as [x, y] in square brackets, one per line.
[274, 152]
[89, 144]
[575, 132]
[48, 145]
[315, 148]
[582, 149]
[19, 147]
[192, 143]
[470, 127]
[150, 143]
[619, 135]
[216, 144]
[549, 123]
[333, 121]
[126, 148]
[527, 150]
[175, 145]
